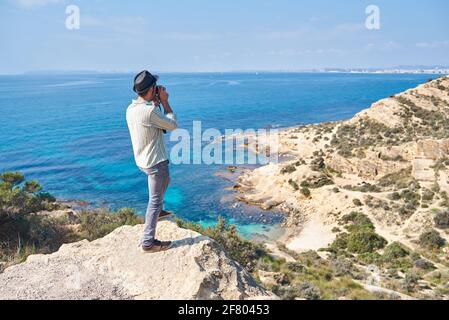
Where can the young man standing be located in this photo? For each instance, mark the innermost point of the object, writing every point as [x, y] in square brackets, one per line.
[147, 126]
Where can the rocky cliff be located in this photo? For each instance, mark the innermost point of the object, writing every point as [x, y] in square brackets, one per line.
[387, 166]
[114, 267]
[398, 145]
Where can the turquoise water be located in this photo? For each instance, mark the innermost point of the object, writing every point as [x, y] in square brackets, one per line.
[69, 131]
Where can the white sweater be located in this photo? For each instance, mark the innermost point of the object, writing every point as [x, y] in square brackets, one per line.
[146, 125]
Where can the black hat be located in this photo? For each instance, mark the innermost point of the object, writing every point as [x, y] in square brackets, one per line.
[144, 81]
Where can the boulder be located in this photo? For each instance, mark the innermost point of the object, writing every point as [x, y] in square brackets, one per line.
[115, 267]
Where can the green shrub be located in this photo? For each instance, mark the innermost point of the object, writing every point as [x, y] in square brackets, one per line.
[293, 184]
[12, 179]
[309, 291]
[427, 195]
[395, 251]
[442, 220]
[365, 188]
[431, 240]
[317, 182]
[340, 244]
[395, 196]
[21, 230]
[369, 258]
[342, 267]
[245, 252]
[295, 267]
[361, 238]
[18, 199]
[97, 224]
[365, 241]
[359, 221]
[410, 281]
[288, 169]
[423, 264]
[306, 192]
[357, 202]
[318, 164]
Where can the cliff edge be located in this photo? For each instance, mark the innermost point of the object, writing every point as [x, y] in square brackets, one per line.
[115, 267]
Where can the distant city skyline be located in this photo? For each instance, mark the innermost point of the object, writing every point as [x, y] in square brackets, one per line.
[206, 36]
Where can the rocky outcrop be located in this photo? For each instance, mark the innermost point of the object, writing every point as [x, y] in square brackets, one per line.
[428, 151]
[115, 267]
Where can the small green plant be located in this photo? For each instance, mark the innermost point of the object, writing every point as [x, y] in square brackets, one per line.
[308, 291]
[318, 164]
[411, 281]
[288, 169]
[293, 184]
[442, 220]
[357, 202]
[306, 192]
[431, 240]
[427, 195]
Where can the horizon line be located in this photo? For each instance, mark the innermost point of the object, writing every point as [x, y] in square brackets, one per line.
[404, 69]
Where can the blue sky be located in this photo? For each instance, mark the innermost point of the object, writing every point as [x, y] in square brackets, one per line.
[207, 35]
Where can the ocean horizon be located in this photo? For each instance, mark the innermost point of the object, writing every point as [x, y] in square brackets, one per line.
[68, 131]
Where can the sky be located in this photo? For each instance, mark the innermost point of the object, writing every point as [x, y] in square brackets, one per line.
[208, 35]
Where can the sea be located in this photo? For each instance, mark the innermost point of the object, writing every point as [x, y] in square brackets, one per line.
[68, 131]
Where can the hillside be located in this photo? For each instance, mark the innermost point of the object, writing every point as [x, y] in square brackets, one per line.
[389, 165]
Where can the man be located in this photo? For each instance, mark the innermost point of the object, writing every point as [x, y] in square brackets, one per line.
[147, 126]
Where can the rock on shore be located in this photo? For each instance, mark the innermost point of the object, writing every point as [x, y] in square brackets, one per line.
[114, 267]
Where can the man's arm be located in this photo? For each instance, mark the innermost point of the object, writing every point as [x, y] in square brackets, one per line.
[167, 122]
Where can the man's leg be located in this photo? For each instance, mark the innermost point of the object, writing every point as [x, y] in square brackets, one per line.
[167, 182]
[157, 184]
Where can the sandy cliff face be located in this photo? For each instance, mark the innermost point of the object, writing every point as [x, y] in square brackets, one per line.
[114, 267]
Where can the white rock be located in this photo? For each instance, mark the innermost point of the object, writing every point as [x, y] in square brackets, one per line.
[115, 267]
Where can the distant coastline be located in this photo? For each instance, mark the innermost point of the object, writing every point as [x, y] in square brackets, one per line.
[431, 70]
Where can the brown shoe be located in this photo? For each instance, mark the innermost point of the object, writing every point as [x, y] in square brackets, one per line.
[165, 214]
[157, 246]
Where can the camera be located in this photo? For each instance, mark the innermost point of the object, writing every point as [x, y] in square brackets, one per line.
[158, 90]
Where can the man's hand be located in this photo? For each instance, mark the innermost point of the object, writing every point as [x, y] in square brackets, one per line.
[163, 96]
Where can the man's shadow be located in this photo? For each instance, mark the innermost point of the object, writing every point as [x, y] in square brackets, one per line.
[188, 242]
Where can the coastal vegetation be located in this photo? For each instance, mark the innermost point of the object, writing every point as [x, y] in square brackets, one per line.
[30, 223]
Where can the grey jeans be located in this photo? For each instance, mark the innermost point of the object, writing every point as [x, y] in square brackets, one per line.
[158, 181]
